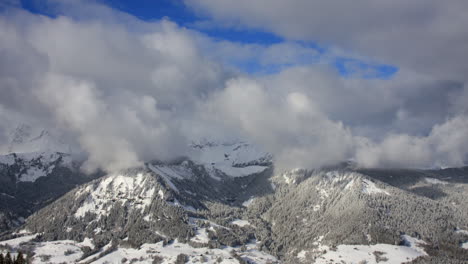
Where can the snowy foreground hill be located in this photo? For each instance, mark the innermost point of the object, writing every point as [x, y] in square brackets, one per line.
[225, 204]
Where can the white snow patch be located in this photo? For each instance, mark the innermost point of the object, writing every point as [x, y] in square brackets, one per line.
[201, 236]
[37, 164]
[96, 255]
[165, 177]
[238, 171]
[161, 194]
[240, 222]
[368, 187]
[301, 255]
[435, 181]
[464, 245]
[63, 251]
[147, 252]
[461, 231]
[25, 138]
[248, 202]
[232, 159]
[123, 188]
[185, 207]
[97, 230]
[87, 242]
[15, 242]
[32, 174]
[7, 159]
[348, 254]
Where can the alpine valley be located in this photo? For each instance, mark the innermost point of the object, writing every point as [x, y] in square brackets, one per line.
[225, 203]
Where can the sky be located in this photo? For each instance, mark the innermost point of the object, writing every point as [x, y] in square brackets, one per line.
[382, 84]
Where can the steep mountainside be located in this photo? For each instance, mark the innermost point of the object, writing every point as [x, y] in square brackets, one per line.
[326, 216]
[32, 179]
[225, 204]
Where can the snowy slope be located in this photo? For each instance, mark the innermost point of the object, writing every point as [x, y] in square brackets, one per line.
[67, 251]
[129, 189]
[235, 159]
[370, 254]
[27, 139]
[31, 166]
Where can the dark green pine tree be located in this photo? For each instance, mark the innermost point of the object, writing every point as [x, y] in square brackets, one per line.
[20, 259]
[2, 259]
[8, 259]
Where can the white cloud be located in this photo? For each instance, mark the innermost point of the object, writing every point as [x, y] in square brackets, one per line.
[129, 91]
[427, 36]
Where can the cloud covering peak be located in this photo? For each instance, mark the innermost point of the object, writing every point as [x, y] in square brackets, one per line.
[125, 91]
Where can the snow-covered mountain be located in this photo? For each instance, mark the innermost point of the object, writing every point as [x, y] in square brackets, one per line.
[37, 169]
[224, 203]
[325, 216]
[28, 139]
[234, 159]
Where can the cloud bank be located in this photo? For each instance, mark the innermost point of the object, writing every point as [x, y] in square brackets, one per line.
[125, 91]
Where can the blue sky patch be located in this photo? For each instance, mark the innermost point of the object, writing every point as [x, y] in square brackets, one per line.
[176, 11]
[352, 68]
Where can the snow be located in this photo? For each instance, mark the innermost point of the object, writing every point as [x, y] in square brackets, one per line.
[368, 187]
[292, 176]
[15, 242]
[147, 252]
[464, 245]
[240, 222]
[238, 171]
[97, 230]
[360, 253]
[7, 195]
[193, 221]
[302, 255]
[123, 188]
[414, 243]
[32, 174]
[7, 159]
[248, 202]
[434, 181]
[185, 207]
[461, 231]
[201, 236]
[26, 138]
[63, 251]
[95, 256]
[174, 171]
[166, 177]
[87, 242]
[238, 159]
[36, 164]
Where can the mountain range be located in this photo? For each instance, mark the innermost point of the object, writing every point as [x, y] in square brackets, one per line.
[225, 203]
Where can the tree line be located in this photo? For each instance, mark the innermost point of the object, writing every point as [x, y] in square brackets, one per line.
[8, 259]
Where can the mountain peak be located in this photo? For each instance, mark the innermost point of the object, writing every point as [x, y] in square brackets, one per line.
[26, 139]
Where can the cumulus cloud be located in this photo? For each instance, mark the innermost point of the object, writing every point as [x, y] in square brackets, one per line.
[442, 147]
[427, 36]
[126, 91]
[291, 127]
[120, 93]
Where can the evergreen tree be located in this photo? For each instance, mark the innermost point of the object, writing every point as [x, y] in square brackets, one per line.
[20, 259]
[2, 259]
[8, 259]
